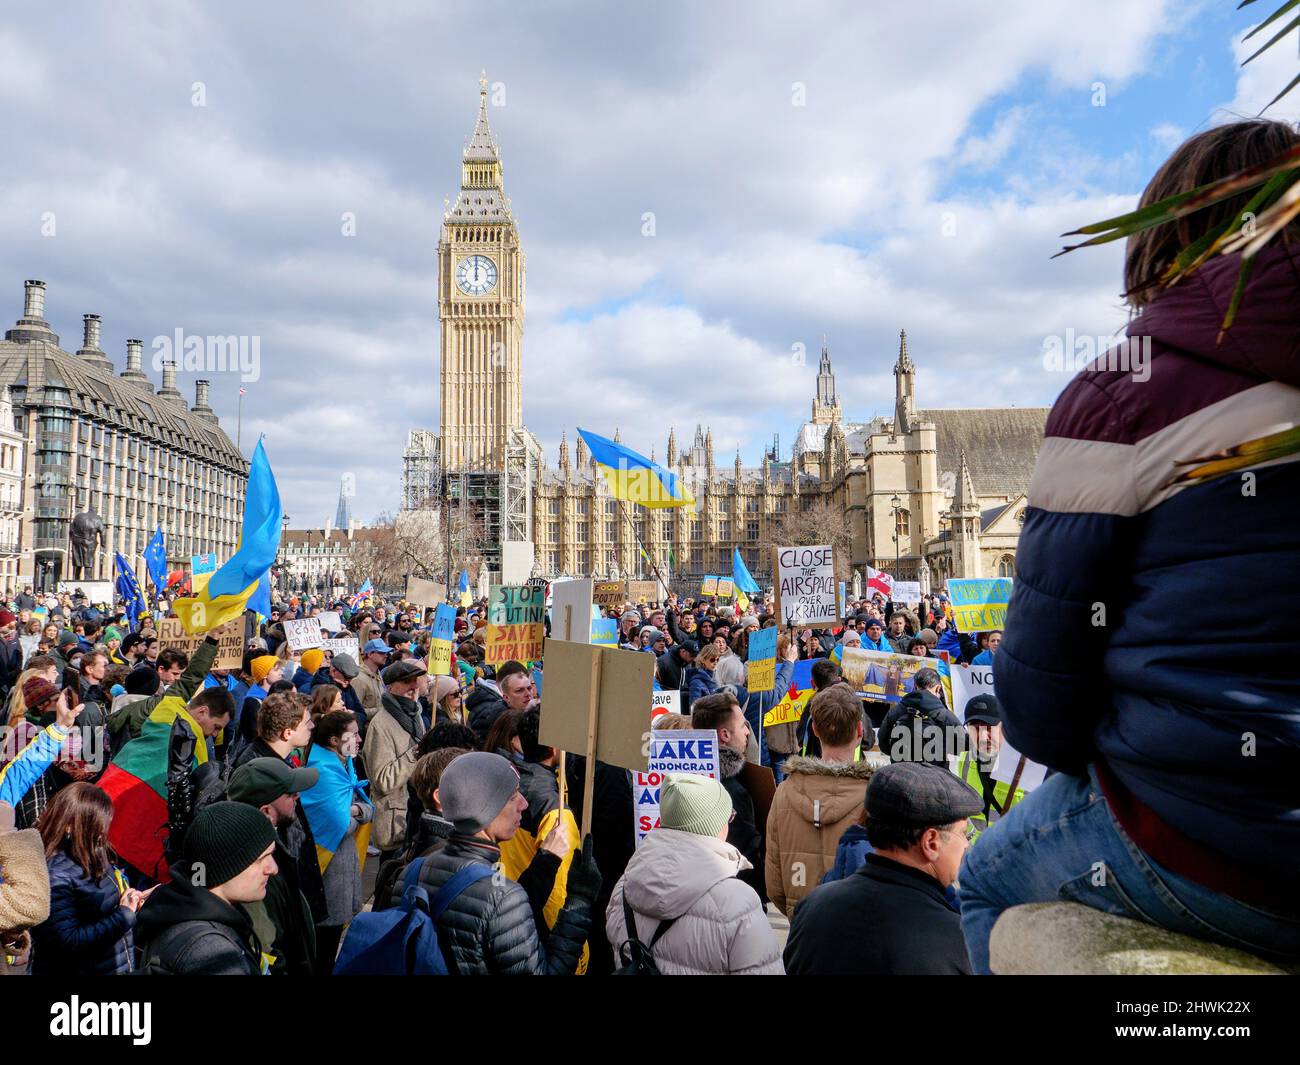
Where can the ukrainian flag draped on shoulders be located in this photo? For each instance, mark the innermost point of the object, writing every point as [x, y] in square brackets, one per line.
[633, 477]
[226, 595]
[327, 805]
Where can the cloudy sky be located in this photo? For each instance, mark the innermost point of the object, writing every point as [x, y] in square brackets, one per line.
[843, 169]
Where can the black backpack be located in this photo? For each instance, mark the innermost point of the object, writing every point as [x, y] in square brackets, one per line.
[642, 961]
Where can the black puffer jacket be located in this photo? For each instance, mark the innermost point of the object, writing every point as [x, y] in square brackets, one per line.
[489, 930]
[188, 931]
[921, 729]
[483, 706]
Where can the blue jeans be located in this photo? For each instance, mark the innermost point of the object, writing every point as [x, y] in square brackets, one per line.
[1063, 843]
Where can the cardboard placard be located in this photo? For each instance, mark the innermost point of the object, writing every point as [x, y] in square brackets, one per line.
[516, 623]
[686, 751]
[302, 634]
[609, 593]
[805, 585]
[330, 620]
[980, 605]
[230, 637]
[444, 631]
[425, 593]
[618, 685]
[346, 645]
[760, 782]
[905, 592]
[709, 586]
[643, 591]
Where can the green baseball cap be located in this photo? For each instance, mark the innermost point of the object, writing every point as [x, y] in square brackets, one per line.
[264, 780]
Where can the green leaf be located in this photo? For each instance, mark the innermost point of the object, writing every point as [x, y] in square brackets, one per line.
[1243, 275]
[1294, 81]
[1271, 18]
[1274, 39]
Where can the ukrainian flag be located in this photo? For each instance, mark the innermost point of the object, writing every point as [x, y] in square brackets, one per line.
[465, 598]
[634, 478]
[741, 576]
[795, 700]
[226, 595]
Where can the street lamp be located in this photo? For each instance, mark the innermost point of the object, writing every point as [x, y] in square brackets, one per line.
[284, 551]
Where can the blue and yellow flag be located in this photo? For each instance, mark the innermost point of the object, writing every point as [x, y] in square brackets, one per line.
[465, 598]
[795, 699]
[740, 574]
[228, 591]
[327, 805]
[634, 478]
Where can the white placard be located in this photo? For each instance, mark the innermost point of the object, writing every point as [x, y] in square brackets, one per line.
[806, 589]
[330, 620]
[302, 633]
[1008, 759]
[345, 646]
[693, 751]
[905, 592]
[665, 703]
[575, 594]
[968, 682]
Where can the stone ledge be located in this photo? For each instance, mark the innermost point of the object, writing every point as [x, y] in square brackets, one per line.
[1067, 939]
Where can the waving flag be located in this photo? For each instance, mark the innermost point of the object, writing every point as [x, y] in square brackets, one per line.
[741, 576]
[228, 591]
[633, 477]
[464, 588]
[327, 805]
[129, 589]
[879, 581]
[155, 560]
[363, 593]
[260, 603]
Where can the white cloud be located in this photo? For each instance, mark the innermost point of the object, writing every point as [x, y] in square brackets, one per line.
[1265, 76]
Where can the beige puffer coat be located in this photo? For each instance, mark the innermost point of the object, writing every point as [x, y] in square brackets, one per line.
[813, 806]
[720, 928]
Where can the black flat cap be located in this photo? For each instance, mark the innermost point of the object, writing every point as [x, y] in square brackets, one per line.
[916, 795]
[983, 708]
[407, 669]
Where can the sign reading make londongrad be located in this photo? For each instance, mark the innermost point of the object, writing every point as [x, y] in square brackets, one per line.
[671, 752]
[805, 585]
[980, 605]
[515, 623]
[444, 627]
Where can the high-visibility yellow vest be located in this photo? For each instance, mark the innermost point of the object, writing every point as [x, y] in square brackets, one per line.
[968, 770]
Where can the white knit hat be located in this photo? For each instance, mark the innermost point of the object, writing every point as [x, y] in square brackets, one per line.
[696, 804]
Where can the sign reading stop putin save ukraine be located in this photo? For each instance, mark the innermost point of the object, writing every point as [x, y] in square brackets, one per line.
[516, 625]
[980, 605]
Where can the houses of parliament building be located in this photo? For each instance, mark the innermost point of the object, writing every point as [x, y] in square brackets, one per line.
[927, 492]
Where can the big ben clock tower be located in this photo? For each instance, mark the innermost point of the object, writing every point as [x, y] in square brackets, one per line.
[480, 312]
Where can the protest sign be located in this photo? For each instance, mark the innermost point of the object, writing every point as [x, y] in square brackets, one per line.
[1015, 769]
[905, 592]
[726, 588]
[444, 629]
[425, 593]
[709, 586]
[968, 682]
[596, 698]
[604, 632]
[302, 633]
[230, 641]
[329, 620]
[608, 593]
[95, 591]
[516, 623]
[692, 751]
[346, 645]
[980, 605]
[643, 591]
[886, 676]
[202, 567]
[665, 703]
[806, 592]
[762, 659]
[571, 610]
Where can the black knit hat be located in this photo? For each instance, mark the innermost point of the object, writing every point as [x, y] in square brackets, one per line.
[225, 839]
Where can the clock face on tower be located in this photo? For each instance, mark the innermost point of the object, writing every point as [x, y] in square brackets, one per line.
[476, 275]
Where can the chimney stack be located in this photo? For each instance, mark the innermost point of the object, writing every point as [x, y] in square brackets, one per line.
[201, 407]
[32, 325]
[90, 350]
[133, 372]
[169, 390]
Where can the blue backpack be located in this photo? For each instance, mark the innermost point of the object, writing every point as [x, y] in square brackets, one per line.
[404, 940]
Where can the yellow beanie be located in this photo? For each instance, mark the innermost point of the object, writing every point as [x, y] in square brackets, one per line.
[261, 666]
[311, 659]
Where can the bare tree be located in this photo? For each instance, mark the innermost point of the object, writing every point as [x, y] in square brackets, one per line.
[821, 523]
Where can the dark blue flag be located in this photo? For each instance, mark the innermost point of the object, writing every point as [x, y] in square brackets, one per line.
[155, 558]
[128, 588]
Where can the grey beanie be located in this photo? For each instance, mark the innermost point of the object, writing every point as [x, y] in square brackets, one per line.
[473, 789]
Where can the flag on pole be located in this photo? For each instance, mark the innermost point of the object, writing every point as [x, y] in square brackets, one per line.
[879, 581]
[465, 598]
[129, 589]
[633, 477]
[228, 591]
[155, 560]
[741, 576]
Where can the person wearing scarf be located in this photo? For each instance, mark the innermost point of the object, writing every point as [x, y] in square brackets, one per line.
[390, 751]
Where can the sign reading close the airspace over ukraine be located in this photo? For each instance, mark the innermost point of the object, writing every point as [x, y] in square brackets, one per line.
[804, 579]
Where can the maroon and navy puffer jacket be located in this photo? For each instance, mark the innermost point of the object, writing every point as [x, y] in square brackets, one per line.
[1152, 501]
